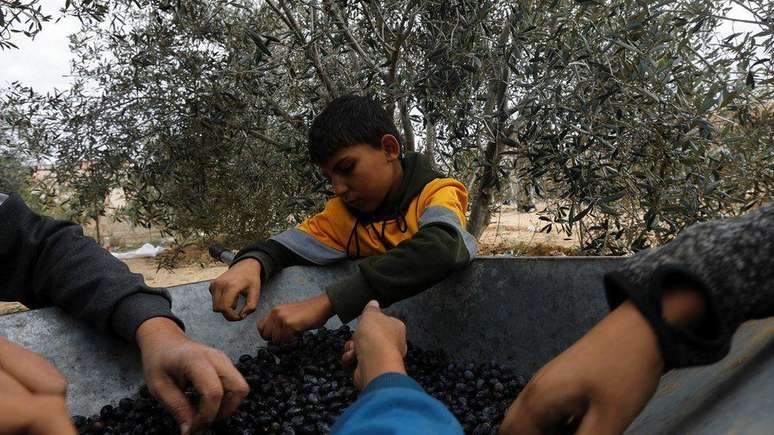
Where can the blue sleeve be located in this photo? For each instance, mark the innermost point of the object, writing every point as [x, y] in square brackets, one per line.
[395, 404]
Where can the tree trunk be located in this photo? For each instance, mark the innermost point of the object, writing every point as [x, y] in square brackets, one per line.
[430, 140]
[495, 113]
[408, 129]
[99, 234]
[485, 190]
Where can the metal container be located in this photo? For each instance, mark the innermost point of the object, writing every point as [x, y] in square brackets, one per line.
[519, 311]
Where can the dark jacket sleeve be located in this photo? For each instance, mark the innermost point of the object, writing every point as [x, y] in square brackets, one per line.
[435, 251]
[731, 262]
[46, 262]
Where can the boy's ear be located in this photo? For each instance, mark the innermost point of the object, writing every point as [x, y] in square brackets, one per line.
[391, 147]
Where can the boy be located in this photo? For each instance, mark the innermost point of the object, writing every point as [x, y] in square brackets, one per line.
[396, 211]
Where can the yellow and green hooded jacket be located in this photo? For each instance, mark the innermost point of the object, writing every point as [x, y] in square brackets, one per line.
[414, 240]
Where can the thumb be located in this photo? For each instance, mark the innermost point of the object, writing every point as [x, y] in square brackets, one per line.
[176, 403]
[373, 306]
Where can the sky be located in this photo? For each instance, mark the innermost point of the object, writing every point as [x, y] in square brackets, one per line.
[44, 63]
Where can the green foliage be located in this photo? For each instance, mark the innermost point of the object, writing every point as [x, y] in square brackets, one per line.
[13, 173]
[26, 17]
[632, 119]
[635, 139]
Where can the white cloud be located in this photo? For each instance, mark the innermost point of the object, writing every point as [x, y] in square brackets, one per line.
[44, 62]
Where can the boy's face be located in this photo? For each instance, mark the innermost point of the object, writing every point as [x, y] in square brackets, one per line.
[362, 175]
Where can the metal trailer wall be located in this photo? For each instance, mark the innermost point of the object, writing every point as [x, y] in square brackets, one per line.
[518, 311]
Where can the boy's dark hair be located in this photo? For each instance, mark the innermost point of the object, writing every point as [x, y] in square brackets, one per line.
[348, 121]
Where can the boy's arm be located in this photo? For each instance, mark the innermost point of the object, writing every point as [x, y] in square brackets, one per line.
[440, 247]
[45, 261]
[296, 246]
[272, 255]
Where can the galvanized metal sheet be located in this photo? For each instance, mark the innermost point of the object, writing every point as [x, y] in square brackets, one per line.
[520, 311]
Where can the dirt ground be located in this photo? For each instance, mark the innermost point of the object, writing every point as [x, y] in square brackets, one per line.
[179, 275]
[510, 233]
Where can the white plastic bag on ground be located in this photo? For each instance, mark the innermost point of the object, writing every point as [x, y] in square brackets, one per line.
[145, 251]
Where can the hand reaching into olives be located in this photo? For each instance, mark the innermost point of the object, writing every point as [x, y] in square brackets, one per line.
[377, 347]
[243, 278]
[32, 393]
[602, 382]
[285, 321]
[171, 361]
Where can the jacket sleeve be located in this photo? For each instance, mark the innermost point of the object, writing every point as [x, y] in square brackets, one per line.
[46, 262]
[394, 403]
[297, 246]
[440, 247]
[272, 255]
[731, 262]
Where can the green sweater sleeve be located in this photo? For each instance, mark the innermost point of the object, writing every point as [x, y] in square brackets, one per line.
[435, 251]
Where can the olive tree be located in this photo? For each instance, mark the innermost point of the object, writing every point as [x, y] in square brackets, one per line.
[631, 119]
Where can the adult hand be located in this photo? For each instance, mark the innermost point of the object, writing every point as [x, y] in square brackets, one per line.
[171, 361]
[243, 278]
[602, 382]
[32, 393]
[286, 320]
[378, 346]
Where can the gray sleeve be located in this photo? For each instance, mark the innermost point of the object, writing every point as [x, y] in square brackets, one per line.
[46, 262]
[730, 261]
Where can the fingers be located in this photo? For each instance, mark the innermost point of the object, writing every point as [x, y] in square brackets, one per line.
[220, 386]
[242, 279]
[234, 385]
[253, 294]
[275, 328]
[31, 370]
[263, 328]
[225, 297]
[357, 379]
[372, 307]
[53, 417]
[207, 383]
[172, 366]
[215, 292]
[282, 333]
[10, 386]
[548, 404]
[227, 304]
[167, 391]
[349, 356]
[35, 415]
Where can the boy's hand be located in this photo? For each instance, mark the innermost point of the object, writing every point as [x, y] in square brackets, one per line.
[287, 320]
[171, 360]
[602, 382]
[377, 347]
[598, 385]
[32, 393]
[242, 278]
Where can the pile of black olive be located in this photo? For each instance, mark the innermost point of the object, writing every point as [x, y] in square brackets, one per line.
[301, 388]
